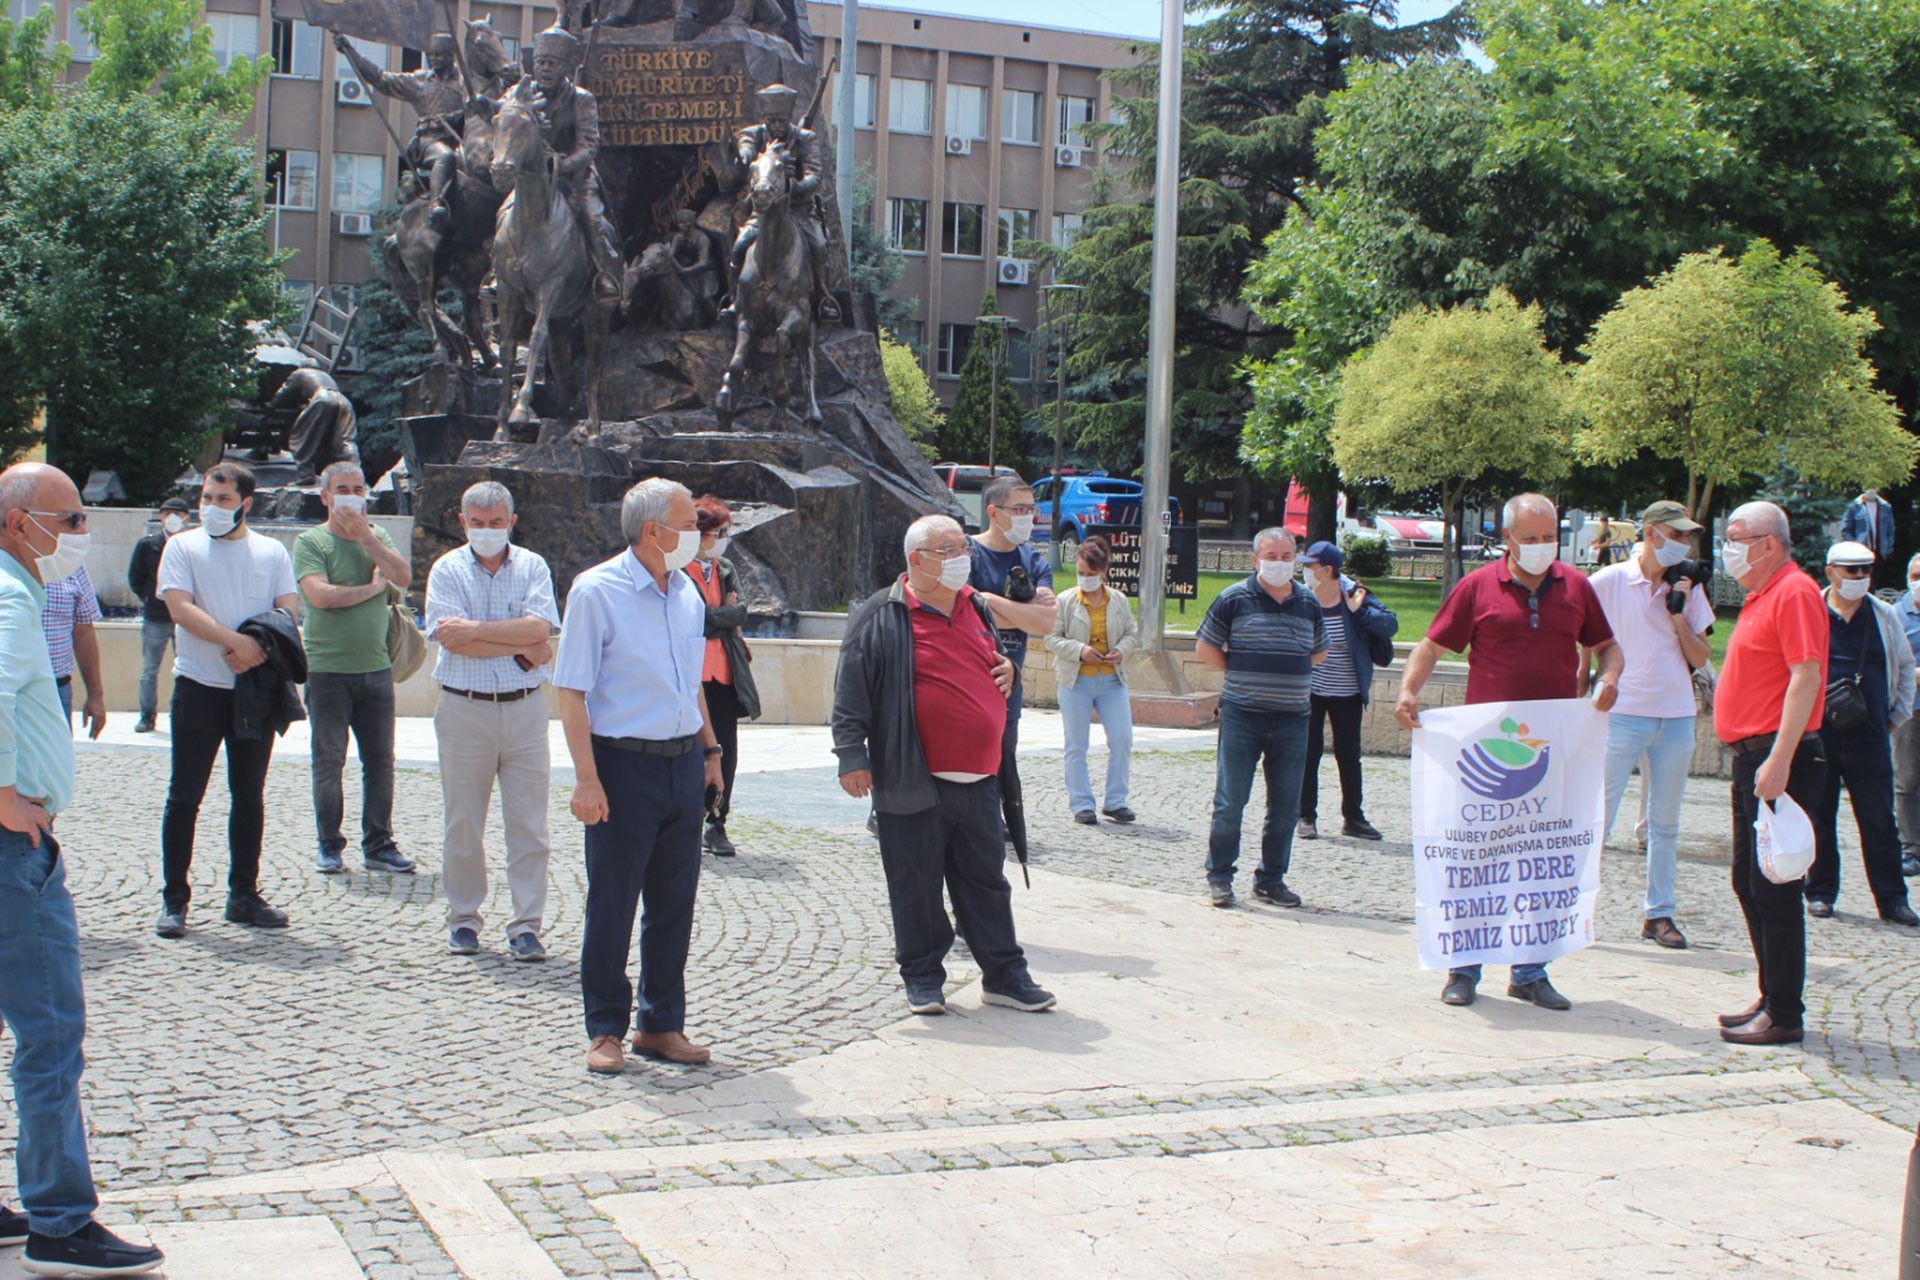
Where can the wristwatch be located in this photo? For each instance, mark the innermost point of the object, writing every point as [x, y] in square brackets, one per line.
[716, 750]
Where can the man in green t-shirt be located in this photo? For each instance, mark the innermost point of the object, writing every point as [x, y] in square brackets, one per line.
[344, 567]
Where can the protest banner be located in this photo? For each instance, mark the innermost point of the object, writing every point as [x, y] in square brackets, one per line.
[1508, 802]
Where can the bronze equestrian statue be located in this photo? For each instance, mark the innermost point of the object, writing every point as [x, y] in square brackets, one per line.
[806, 157]
[681, 275]
[435, 92]
[775, 293]
[570, 119]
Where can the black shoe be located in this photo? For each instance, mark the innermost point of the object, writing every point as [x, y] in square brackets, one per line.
[716, 841]
[1026, 996]
[91, 1251]
[13, 1227]
[172, 922]
[1306, 830]
[1279, 895]
[1086, 819]
[930, 1003]
[873, 825]
[1221, 895]
[1819, 909]
[255, 911]
[1539, 992]
[1361, 829]
[145, 725]
[1900, 913]
[1458, 991]
[1909, 865]
[1122, 814]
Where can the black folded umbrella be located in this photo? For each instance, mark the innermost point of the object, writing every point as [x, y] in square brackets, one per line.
[1013, 808]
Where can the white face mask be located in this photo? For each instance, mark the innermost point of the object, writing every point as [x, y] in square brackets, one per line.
[1535, 557]
[218, 521]
[1275, 572]
[1020, 530]
[68, 555]
[174, 523]
[1735, 557]
[1089, 583]
[719, 548]
[351, 503]
[955, 572]
[684, 550]
[488, 543]
[1853, 588]
[1670, 553]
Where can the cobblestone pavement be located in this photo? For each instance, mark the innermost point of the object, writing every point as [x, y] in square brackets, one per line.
[354, 1037]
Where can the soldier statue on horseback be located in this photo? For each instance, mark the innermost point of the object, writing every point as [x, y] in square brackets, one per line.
[570, 119]
[435, 92]
[806, 163]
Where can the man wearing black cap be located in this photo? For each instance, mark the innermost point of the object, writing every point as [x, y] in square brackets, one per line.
[1356, 622]
[156, 621]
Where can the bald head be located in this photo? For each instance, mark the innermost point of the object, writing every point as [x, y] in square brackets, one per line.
[35, 503]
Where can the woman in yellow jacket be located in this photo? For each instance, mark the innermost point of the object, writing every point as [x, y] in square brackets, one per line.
[1092, 635]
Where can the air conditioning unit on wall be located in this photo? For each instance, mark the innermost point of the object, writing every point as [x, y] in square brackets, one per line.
[959, 145]
[352, 92]
[1066, 157]
[356, 224]
[1015, 270]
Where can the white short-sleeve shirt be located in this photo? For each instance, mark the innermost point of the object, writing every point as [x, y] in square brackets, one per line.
[1656, 680]
[232, 579]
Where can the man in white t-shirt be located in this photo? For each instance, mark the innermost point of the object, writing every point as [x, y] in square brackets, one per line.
[1653, 716]
[213, 579]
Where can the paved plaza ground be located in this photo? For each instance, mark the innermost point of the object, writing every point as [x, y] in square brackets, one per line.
[1220, 1093]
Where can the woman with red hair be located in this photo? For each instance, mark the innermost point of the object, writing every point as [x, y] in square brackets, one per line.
[727, 677]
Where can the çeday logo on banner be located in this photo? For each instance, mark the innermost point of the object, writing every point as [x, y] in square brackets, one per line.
[1508, 802]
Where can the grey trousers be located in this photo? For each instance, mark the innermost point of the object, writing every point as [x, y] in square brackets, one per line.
[1906, 785]
[480, 742]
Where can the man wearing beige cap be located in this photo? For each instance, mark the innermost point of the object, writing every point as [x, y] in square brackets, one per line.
[1869, 694]
[1660, 614]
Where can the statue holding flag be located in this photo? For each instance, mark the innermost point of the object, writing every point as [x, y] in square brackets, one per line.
[436, 94]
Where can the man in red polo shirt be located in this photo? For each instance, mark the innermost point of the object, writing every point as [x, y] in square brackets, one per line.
[1525, 619]
[919, 710]
[1767, 708]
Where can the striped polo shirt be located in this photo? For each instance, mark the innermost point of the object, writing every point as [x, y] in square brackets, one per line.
[1269, 645]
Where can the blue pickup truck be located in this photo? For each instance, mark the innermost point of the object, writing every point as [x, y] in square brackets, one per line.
[1086, 498]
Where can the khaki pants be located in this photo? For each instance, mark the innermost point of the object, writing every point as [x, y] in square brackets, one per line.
[479, 742]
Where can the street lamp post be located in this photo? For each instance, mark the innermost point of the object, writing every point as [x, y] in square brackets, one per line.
[996, 356]
[1057, 321]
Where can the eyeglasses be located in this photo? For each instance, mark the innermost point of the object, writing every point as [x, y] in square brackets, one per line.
[945, 553]
[1853, 570]
[73, 521]
[1026, 510]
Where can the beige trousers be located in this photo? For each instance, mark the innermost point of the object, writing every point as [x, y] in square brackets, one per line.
[479, 742]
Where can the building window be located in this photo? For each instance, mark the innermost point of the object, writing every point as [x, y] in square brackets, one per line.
[1016, 224]
[293, 178]
[910, 106]
[1019, 366]
[84, 50]
[296, 49]
[1066, 229]
[967, 111]
[235, 35]
[1074, 112]
[1019, 116]
[961, 230]
[374, 53]
[907, 224]
[911, 332]
[954, 341]
[301, 291]
[359, 182]
[19, 11]
[512, 47]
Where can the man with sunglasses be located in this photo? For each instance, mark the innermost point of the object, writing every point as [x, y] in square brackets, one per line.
[1767, 708]
[1526, 619]
[1867, 651]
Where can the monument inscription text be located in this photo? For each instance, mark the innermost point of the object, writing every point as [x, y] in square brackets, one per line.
[666, 96]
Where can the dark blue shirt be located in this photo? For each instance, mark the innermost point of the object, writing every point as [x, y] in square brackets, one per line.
[1270, 646]
[990, 570]
[1854, 649]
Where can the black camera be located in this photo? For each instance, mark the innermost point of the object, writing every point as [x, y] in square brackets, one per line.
[1679, 576]
[1019, 585]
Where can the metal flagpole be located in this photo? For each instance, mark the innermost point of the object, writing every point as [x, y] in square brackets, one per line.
[843, 121]
[1160, 318]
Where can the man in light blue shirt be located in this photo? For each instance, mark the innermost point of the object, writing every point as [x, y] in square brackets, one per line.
[645, 759]
[42, 533]
[1906, 741]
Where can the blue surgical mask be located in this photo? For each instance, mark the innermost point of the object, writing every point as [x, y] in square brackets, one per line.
[1670, 552]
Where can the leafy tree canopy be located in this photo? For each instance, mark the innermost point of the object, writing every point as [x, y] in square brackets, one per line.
[975, 428]
[916, 406]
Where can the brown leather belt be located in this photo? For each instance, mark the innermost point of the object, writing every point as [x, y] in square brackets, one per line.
[1761, 743]
[511, 695]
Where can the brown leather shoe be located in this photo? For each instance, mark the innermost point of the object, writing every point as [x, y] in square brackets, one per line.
[1761, 1031]
[1662, 930]
[605, 1057]
[1745, 1016]
[670, 1046]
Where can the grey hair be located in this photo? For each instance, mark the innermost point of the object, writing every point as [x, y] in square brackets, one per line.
[485, 496]
[1273, 534]
[1761, 518]
[1521, 503]
[922, 532]
[340, 469]
[647, 503]
[17, 487]
[1915, 561]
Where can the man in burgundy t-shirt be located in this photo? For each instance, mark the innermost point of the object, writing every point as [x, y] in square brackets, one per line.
[919, 710]
[1522, 621]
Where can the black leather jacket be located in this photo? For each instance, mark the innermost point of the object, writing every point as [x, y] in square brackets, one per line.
[264, 699]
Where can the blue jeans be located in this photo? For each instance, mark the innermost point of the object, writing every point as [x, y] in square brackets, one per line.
[45, 1011]
[1108, 696]
[1277, 741]
[1667, 744]
[363, 704]
[154, 639]
[65, 689]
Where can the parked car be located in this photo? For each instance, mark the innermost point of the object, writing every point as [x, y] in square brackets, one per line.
[966, 480]
[1086, 498]
[1405, 532]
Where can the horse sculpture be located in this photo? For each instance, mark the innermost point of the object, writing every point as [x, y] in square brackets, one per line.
[774, 294]
[543, 267]
[654, 278]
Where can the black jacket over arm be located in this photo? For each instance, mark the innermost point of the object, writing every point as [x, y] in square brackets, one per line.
[264, 699]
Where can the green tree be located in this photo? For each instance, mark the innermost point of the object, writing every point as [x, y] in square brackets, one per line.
[974, 428]
[1448, 397]
[875, 265]
[916, 406]
[30, 63]
[161, 47]
[393, 349]
[1256, 77]
[1734, 368]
